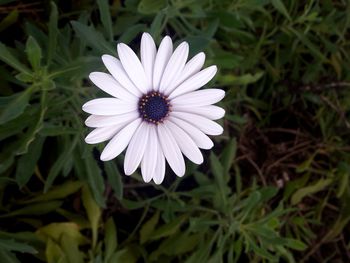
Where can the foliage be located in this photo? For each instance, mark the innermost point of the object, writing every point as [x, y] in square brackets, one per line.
[276, 186]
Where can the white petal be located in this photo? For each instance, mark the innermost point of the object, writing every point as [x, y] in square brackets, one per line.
[195, 82]
[149, 160]
[202, 140]
[102, 121]
[192, 67]
[174, 67]
[119, 141]
[133, 67]
[171, 150]
[102, 134]
[160, 168]
[186, 144]
[199, 98]
[148, 55]
[136, 148]
[205, 125]
[116, 69]
[108, 106]
[109, 85]
[164, 52]
[211, 112]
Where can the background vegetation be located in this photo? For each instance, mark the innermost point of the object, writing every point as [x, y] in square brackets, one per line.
[275, 188]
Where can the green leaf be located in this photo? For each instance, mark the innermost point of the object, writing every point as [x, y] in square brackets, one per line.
[93, 212]
[151, 6]
[36, 209]
[320, 185]
[93, 38]
[16, 105]
[8, 58]
[64, 157]
[53, 32]
[229, 154]
[34, 53]
[280, 7]
[58, 192]
[111, 241]
[114, 179]
[168, 229]
[127, 255]
[54, 253]
[27, 162]
[8, 257]
[95, 180]
[71, 249]
[9, 20]
[295, 244]
[148, 228]
[12, 245]
[54, 231]
[105, 16]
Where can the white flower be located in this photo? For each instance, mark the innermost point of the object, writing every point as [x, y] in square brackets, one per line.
[156, 109]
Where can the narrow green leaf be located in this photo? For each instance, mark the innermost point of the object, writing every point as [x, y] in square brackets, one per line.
[295, 244]
[71, 249]
[320, 185]
[12, 245]
[27, 162]
[229, 154]
[65, 155]
[53, 32]
[111, 241]
[58, 192]
[148, 228]
[280, 7]
[95, 180]
[151, 6]
[16, 105]
[106, 18]
[9, 20]
[8, 257]
[35, 209]
[168, 229]
[93, 38]
[8, 58]
[54, 253]
[114, 179]
[93, 212]
[34, 53]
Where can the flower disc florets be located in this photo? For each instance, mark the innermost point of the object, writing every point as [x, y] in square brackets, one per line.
[154, 107]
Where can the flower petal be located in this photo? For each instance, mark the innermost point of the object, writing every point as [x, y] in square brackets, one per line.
[108, 106]
[191, 67]
[205, 125]
[133, 67]
[102, 134]
[164, 52]
[148, 55]
[211, 112]
[186, 144]
[95, 121]
[159, 172]
[171, 150]
[174, 67]
[202, 140]
[119, 141]
[116, 69]
[195, 82]
[149, 160]
[136, 148]
[109, 85]
[199, 98]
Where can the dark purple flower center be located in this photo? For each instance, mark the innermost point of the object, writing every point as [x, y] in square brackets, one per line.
[154, 107]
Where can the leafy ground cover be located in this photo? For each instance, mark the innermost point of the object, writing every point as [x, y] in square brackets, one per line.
[275, 188]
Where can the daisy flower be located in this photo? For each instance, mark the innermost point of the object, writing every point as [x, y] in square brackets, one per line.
[156, 110]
